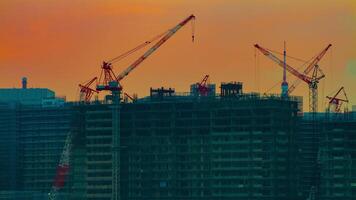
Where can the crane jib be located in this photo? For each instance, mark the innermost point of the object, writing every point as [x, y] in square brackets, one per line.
[168, 35]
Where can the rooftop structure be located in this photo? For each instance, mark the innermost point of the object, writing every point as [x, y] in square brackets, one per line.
[231, 89]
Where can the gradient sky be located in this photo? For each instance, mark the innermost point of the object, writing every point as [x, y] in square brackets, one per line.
[58, 44]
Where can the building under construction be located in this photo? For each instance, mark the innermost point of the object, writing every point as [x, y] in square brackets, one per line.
[231, 145]
[191, 147]
[338, 160]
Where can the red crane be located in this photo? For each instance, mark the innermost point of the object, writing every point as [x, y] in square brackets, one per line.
[312, 80]
[202, 86]
[311, 66]
[86, 92]
[110, 82]
[336, 101]
[62, 169]
[128, 97]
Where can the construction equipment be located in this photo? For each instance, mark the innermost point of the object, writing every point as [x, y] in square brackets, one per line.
[310, 67]
[112, 83]
[335, 102]
[203, 87]
[86, 92]
[284, 84]
[128, 97]
[312, 80]
[62, 169]
[108, 81]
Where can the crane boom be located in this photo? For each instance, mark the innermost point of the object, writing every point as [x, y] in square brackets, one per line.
[86, 92]
[334, 98]
[168, 35]
[202, 87]
[312, 80]
[281, 63]
[337, 101]
[62, 169]
[316, 60]
[307, 70]
[205, 79]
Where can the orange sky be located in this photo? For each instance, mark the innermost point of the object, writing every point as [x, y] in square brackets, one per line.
[58, 44]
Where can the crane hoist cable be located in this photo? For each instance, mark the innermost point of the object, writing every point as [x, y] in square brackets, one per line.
[109, 81]
[295, 58]
[138, 47]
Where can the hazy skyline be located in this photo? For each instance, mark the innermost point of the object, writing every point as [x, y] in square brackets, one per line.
[58, 44]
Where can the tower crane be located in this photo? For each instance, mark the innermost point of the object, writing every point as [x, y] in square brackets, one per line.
[202, 86]
[312, 80]
[86, 92]
[112, 83]
[108, 81]
[337, 101]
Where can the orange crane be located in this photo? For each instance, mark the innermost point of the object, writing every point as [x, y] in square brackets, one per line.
[86, 92]
[108, 81]
[336, 101]
[312, 80]
[202, 86]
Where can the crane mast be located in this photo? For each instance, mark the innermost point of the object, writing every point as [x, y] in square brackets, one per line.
[115, 88]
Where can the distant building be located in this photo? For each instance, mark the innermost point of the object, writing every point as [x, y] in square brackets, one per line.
[28, 96]
[9, 147]
[33, 126]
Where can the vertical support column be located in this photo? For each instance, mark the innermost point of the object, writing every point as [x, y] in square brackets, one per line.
[115, 145]
[313, 108]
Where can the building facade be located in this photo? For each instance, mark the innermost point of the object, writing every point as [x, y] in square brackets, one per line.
[9, 147]
[338, 160]
[208, 148]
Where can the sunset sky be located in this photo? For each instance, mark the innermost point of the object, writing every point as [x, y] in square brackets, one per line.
[58, 44]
